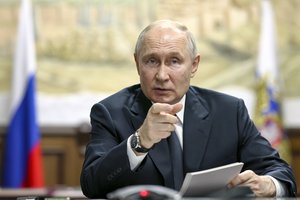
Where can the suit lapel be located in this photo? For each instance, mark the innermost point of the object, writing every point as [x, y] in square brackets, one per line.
[160, 153]
[139, 109]
[196, 128]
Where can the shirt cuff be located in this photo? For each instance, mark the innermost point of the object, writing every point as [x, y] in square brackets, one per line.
[134, 160]
[280, 187]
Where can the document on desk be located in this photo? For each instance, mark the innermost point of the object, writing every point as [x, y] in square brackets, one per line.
[202, 183]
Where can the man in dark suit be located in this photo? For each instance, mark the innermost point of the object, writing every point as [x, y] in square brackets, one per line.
[131, 129]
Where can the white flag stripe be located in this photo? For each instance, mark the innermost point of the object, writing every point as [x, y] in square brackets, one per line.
[267, 58]
[24, 61]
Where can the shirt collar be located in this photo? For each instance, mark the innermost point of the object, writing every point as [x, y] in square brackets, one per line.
[180, 114]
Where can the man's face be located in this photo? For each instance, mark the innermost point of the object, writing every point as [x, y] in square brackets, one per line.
[165, 65]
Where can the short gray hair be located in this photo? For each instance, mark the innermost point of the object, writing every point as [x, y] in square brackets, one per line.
[191, 40]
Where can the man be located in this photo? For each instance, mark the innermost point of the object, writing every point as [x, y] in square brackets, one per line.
[131, 129]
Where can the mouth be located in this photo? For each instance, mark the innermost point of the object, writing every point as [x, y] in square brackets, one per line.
[162, 95]
[161, 90]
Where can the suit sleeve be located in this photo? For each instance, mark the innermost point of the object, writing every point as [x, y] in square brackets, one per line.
[106, 164]
[258, 155]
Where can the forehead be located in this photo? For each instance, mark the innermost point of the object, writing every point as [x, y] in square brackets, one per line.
[165, 37]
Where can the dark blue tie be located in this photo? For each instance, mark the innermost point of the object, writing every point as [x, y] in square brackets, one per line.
[177, 160]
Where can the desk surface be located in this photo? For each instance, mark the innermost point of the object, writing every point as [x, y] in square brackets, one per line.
[64, 192]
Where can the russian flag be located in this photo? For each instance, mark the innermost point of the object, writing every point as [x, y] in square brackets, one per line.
[22, 166]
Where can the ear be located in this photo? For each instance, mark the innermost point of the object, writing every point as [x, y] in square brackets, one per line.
[195, 65]
[136, 63]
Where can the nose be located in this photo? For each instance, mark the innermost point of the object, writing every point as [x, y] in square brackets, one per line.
[162, 73]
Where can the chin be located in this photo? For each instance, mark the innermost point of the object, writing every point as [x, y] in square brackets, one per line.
[163, 100]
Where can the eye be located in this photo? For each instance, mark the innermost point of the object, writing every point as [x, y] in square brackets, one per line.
[174, 62]
[151, 62]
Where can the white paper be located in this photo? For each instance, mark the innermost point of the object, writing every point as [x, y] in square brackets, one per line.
[202, 183]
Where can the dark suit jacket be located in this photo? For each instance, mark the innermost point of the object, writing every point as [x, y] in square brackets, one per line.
[217, 130]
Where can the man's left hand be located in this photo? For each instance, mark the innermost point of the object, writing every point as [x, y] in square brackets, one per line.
[262, 186]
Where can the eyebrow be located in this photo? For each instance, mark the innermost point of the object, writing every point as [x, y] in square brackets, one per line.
[175, 53]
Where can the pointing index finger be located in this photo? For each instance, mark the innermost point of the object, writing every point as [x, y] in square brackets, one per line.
[158, 108]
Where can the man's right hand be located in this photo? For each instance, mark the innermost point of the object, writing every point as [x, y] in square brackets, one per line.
[159, 123]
